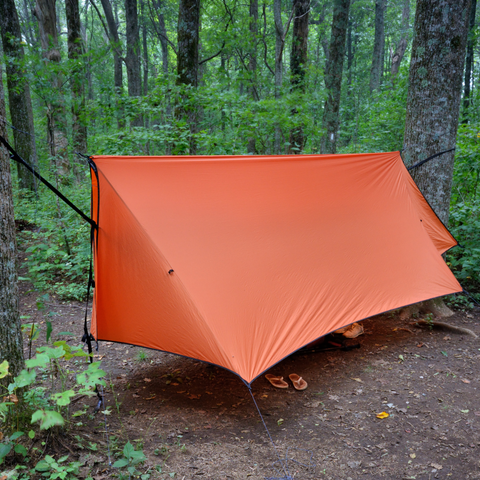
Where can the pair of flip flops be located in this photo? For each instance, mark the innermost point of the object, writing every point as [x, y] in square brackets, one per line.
[278, 382]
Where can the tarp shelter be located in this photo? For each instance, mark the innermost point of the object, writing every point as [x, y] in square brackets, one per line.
[240, 261]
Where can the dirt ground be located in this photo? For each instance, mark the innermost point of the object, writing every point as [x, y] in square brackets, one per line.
[194, 420]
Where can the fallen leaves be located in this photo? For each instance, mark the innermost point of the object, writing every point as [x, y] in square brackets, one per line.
[11, 398]
[464, 380]
[382, 415]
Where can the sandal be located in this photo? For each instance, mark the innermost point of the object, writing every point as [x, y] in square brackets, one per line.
[351, 331]
[277, 382]
[298, 382]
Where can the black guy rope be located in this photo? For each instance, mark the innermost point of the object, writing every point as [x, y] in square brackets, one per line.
[284, 465]
[421, 162]
[15, 156]
[471, 298]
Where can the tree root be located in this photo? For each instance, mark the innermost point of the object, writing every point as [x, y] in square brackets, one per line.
[444, 326]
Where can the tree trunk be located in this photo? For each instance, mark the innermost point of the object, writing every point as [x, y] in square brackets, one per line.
[469, 61]
[117, 58]
[298, 61]
[279, 43]
[144, 51]
[11, 345]
[18, 92]
[252, 64]
[77, 78]
[162, 30]
[132, 59]
[333, 75]
[187, 63]
[434, 93]
[402, 45]
[56, 118]
[378, 46]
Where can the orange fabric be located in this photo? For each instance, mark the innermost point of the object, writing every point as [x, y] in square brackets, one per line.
[268, 253]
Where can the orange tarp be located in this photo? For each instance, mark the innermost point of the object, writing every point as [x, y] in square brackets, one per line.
[240, 261]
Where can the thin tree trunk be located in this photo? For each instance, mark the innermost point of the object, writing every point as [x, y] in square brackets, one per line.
[469, 62]
[187, 63]
[402, 45]
[77, 78]
[378, 46]
[18, 91]
[434, 95]
[279, 44]
[252, 64]
[11, 345]
[117, 58]
[132, 59]
[144, 51]
[298, 61]
[56, 118]
[333, 75]
[163, 37]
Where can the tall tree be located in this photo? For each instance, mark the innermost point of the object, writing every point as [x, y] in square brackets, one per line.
[77, 78]
[117, 56]
[18, 90]
[132, 59]
[279, 45]
[333, 75]
[187, 62]
[378, 45]
[144, 51]
[45, 12]
[252, 63]
[402, 44]
[469, 61]
[298, 61]
[434, 94]
[162, 33]
[11, 345]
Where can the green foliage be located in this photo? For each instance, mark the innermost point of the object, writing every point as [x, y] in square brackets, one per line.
[465, 207]
[28, 403]
[130, 459]
[51, 468]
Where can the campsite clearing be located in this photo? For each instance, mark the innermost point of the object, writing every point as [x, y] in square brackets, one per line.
[198, 421]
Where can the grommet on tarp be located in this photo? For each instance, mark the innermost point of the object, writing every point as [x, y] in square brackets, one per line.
[170, 271]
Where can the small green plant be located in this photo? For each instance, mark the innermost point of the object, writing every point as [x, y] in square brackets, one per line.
[51, 468]
[131, 458]
[142, 356]
[429, 320]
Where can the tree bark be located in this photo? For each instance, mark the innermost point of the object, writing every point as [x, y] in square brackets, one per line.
[402, 45]
[187, 63]
[132, 59]
[279, 44]
[77, 78]
[117, 58]
[144, 51]
[56, 118]
[252, 64]
[333, 75]
[378, 46]
[434, 94]
[163, 37]
[18, 91]
[298, 61]
[469, 62]
[11, 345]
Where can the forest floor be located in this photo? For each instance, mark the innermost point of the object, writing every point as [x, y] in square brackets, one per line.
[193, 420]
